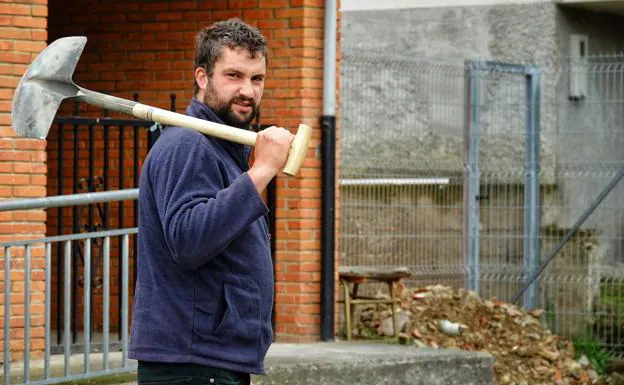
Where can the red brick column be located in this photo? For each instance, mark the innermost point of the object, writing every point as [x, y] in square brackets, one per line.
[294, 96]
[22, 171]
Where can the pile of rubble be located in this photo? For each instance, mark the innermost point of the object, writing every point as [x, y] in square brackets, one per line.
[440, 317]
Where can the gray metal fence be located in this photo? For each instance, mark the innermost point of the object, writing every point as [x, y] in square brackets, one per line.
[30, 353]
[401, 196]
[473, 174]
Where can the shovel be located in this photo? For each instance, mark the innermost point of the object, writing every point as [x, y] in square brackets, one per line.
[48, 81]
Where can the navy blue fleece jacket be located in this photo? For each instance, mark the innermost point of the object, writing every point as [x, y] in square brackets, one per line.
[204, 290]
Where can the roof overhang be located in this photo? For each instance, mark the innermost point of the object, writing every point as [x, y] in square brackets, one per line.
[611, 6]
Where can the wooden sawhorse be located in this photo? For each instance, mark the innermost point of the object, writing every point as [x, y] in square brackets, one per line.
[353, 275]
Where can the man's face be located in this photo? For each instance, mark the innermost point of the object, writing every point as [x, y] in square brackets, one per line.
[235, 88]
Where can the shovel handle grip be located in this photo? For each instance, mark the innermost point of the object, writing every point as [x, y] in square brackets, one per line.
[298, 150]
[296, 155]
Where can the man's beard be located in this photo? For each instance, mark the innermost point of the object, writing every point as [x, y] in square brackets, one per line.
[225, 111]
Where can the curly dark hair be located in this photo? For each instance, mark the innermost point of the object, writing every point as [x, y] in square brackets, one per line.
[232, 33]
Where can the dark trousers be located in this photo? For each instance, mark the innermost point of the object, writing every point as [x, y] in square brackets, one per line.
[162, 373]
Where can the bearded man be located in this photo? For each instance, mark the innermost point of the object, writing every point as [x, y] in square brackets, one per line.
[204, 293]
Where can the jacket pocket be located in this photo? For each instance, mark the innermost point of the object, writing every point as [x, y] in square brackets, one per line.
[230, 329]
[241, 320]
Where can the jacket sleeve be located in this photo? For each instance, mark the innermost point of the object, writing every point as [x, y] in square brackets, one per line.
[200, 216]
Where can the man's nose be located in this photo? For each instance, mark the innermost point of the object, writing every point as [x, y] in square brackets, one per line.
[247, 90]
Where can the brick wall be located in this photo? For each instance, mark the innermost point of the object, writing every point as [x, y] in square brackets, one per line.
[148, 47]
[296, 91]
[22, 169]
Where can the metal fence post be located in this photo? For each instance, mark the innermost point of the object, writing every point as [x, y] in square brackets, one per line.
[471, 178]
[532, 183]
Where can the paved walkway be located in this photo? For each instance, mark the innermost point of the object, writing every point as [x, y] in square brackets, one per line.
[335, 363]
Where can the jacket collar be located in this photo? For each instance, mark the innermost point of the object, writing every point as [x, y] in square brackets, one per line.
[240, 153]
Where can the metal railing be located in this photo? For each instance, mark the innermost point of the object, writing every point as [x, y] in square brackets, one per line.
[30, 354]
[89, 153]
[28, 346]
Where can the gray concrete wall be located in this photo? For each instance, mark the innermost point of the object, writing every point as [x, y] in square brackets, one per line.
[410, 114]
[406, 117]
[421, 227]
[590, 133]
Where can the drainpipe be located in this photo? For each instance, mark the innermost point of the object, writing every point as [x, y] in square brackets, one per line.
[328, 148]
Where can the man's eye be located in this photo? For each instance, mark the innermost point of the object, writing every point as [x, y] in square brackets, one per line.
[258, 79]
[233, 75]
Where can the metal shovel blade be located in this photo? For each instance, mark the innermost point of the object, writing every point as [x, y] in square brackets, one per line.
[44, 86]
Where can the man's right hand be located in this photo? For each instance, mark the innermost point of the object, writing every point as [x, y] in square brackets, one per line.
[271, 152]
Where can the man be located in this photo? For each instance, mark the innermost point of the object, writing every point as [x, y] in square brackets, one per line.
[204, 294]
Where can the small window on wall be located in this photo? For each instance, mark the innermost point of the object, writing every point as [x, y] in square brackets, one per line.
[578, 67]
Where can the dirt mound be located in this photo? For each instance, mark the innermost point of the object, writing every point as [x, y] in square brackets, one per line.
[525, 352]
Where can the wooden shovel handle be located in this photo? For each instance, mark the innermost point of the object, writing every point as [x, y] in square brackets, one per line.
[296, 155]
[298, 150]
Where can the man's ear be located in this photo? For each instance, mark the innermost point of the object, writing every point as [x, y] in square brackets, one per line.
[201, 77]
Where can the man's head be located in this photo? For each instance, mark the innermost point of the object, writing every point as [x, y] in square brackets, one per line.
[230, 67]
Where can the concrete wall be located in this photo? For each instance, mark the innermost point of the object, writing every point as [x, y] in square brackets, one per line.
[408, 118]
[422, 97]
[591, 131]
[421, 227]
[404, 115]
